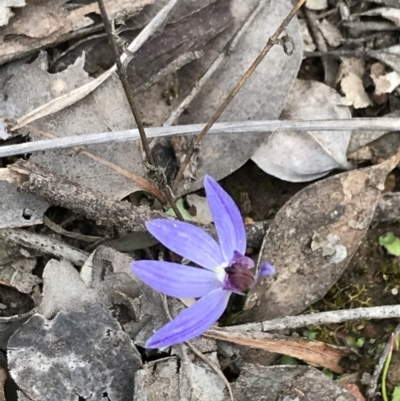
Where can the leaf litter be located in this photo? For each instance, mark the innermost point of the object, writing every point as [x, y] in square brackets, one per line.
[311, 240]
[319, 240]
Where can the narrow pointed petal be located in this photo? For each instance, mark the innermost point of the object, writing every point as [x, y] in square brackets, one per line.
[192, 321]
[227, 219]
[176, 280]
[187, 240]
[266, 269]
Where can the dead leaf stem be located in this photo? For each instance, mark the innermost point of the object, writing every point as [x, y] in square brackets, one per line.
[147, 186]
[124, 80]
[271, 42]
[121, 70]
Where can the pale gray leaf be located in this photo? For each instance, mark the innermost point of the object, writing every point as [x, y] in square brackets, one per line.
[305, 156]
[262, 97]
[312, 239]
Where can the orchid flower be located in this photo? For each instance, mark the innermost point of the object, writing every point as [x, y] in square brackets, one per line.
[223, 268]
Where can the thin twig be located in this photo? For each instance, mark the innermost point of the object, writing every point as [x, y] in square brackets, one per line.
[124, 80]
[213, 366]
[59, 230]
[244, 127]
[199, 353]
[184, 355]
[146, 185]
[316, 34]
[316, 319]
[131, 100]
[271, 42]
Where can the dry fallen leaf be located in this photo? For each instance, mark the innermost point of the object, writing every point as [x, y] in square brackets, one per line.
[355, 95]
[353, 389]
[18, 209]
[390, 13]
[312, 239]
[6, 12]
[386, 83]
[262, 97]
[48, 22]
[331, 33]
[168, 376]
[304, 156]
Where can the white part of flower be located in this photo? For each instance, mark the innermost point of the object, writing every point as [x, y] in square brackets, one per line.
[221, 274]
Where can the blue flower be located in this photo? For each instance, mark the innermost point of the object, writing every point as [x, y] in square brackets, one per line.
[224, 269]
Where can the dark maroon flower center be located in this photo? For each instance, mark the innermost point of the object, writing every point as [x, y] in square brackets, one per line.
[239, 277]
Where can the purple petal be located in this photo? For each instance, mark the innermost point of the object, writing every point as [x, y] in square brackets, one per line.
[265, 270]
[242, 261]
[227, 219]
[187, 240]
[192, 321]
[176, 280]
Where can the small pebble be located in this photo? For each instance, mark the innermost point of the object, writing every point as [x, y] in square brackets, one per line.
[395, 291]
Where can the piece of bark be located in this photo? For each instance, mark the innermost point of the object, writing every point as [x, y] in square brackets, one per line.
[60, 191]
[37, 26]
[313, 352]
[44, 244]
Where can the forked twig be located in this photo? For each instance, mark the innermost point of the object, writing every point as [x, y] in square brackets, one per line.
[271, 42]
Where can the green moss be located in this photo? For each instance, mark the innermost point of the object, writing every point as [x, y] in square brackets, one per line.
[390, 271]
